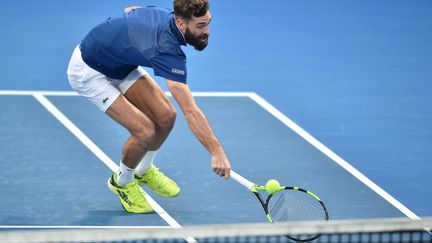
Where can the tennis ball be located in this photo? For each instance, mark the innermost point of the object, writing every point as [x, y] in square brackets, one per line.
[272, 186]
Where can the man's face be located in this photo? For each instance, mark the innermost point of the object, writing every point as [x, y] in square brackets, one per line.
[197, 31]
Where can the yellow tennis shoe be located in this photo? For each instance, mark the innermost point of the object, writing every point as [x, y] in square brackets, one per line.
[132, 196]
[159, 183]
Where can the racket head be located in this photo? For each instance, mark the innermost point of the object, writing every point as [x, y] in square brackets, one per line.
[294, 204]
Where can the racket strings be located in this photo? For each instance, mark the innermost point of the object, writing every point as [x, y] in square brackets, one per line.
[296, 206]
[293, 205]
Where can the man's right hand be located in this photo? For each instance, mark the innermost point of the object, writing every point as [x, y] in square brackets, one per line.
[221, 165]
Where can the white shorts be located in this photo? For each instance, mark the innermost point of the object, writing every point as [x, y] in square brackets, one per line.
[98, 88]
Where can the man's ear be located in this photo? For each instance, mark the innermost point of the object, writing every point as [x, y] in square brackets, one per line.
[181, 24]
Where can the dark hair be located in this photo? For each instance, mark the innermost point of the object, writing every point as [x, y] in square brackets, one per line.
[188, 8]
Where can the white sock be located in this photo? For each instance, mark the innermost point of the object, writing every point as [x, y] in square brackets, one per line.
[125, 175]
[146, 163]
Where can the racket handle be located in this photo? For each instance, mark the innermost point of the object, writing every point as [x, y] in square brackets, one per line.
[243, 181]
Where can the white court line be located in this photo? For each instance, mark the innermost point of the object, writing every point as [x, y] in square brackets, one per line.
[344, 164]
[100, 154]
[31, 92]
[72, 93]
[81, 227]
[289, 123]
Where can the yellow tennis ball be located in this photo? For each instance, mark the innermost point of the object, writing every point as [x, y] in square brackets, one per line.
[272, 186]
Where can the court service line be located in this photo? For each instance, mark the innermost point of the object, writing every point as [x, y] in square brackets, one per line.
[80, 227]
[31, 92]
[97, 151]
[329, 153]
[73, 93]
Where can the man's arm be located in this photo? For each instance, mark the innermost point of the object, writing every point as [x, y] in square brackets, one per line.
[200, 127]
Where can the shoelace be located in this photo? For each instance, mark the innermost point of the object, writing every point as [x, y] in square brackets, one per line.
[135, 192]
[157, 177]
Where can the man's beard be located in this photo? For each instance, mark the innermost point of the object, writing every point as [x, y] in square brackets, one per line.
[198, 42]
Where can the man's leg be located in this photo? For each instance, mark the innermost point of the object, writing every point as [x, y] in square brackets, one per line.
[142, 135]
[139, 125]
[149, 98]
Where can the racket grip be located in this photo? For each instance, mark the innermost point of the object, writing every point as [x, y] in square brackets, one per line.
[243, 181]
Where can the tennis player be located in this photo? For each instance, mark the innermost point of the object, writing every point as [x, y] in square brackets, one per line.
[106, 69]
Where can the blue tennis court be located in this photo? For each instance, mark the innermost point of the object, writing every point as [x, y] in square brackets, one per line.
[332, 97]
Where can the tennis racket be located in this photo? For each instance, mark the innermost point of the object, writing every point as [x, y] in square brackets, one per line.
[288, 204]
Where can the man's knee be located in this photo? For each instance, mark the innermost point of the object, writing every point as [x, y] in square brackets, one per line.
[146, 133]
[167, 119]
